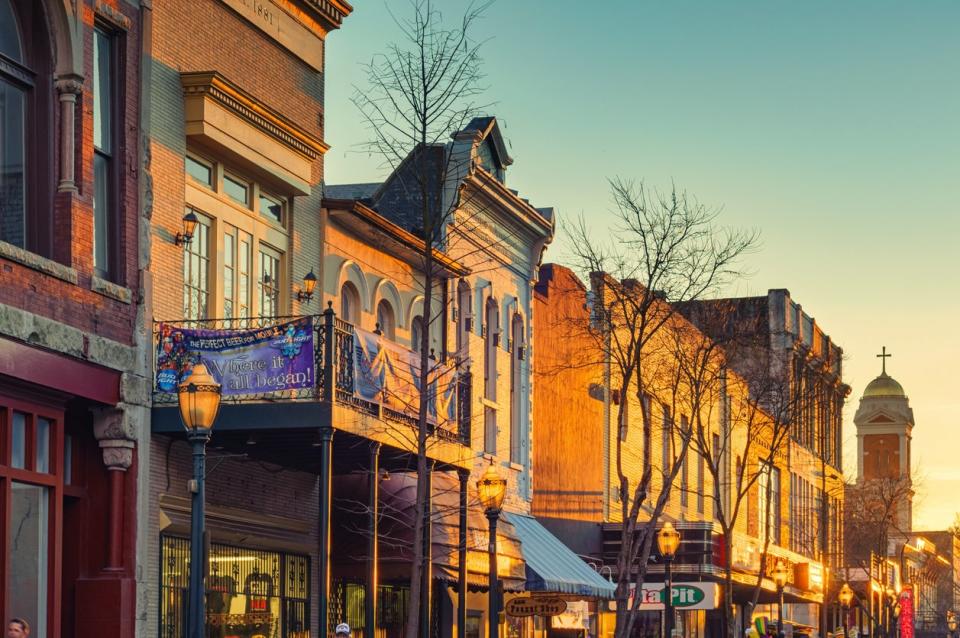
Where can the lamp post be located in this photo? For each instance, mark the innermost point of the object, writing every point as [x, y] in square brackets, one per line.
[199, 399]
[668, 541]
[492, 488]
[780, 580]
[951, 623]
[846, 597]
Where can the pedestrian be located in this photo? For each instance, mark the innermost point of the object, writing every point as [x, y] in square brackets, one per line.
[18, 628]
[342, 630]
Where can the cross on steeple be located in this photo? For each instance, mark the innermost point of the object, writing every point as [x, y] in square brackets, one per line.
[883, 358]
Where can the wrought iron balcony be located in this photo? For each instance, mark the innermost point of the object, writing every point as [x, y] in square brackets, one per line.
[330, 374]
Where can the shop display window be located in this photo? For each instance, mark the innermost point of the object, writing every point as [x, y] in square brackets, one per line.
[251, 593]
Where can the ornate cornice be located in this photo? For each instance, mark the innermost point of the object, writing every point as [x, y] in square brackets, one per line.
[212, 85]
[332, 12]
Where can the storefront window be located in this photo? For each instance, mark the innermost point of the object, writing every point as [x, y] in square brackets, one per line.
[28, 533]
[249, 592]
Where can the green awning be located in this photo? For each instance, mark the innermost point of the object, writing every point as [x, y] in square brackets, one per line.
[552, 566]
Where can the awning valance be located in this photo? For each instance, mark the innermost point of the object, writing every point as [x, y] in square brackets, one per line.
[552, 566]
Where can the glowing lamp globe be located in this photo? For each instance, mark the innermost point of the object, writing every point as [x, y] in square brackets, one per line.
[492, 489]
[668, 540]
[199, 399]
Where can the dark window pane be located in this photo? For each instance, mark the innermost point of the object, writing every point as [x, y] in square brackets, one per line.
[101, 213]
[269, 207]
[236, 190]
[42, 460]
[102, 91]
[67, 460]
[18, 448]
[9, 35]
[12, 165]
[199, 171]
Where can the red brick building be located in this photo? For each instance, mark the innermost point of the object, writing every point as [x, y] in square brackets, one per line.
[73, 392]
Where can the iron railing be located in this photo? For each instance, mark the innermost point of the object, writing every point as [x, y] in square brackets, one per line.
[339, 336]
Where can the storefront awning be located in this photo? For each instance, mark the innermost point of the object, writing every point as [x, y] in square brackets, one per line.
[552, 566]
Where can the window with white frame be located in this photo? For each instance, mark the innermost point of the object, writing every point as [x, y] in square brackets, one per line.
[196, 270]
[245, 244]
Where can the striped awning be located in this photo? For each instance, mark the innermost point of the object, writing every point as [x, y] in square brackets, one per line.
[552, 566]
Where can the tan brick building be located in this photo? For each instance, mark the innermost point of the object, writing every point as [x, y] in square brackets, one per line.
[233, 145]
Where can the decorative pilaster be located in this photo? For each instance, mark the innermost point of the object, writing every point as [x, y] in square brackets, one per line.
[115, 434]
[68, 88]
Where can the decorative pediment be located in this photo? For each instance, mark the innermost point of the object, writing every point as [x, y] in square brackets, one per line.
[881, 418]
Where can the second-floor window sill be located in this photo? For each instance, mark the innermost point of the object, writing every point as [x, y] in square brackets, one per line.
[110, 289]
[38, 263]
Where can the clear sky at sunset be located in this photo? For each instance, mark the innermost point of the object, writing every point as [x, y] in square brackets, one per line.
[832, 127]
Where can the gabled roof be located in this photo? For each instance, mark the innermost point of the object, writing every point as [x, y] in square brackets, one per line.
[489, 130]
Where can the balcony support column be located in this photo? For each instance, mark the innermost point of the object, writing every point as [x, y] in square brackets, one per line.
[326, 502]
[373, 552]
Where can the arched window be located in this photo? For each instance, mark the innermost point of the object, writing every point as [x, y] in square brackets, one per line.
[416, 333]
[350, 303]
[516, 383]
[25, 127]
[386, 320]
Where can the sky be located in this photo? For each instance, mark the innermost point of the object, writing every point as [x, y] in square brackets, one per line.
[831, 128]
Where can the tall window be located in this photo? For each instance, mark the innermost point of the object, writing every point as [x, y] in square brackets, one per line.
[237, 246]
[416, 333]
[196, 268]
[386, 320]
[104, 142]
[25, 127]
[775, 521]
[269, 281]
[516, 381]
[684, 467]
[491, 334]
[464, 318]
[647, 431]
[701, 470]
[350, 303]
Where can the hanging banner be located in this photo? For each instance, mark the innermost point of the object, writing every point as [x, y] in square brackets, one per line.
[259, 361]
[389, 374]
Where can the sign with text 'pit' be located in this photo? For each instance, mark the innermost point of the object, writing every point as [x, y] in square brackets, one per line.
[685, 596]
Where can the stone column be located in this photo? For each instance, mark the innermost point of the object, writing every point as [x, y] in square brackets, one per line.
[68, 88]
[115, 434]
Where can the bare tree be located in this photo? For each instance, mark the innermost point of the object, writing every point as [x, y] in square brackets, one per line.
[424, 88]
[665, 249]
[873, 515]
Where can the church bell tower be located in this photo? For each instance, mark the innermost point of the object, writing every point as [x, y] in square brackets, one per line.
[884, 423]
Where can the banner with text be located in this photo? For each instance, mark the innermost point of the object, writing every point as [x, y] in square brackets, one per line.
[389, 374]
[258, 361]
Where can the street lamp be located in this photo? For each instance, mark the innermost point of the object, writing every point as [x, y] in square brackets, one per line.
[199, 399]
[846, 598]
[492, 488]
[668, 541]
[951, 623]
[780, 580]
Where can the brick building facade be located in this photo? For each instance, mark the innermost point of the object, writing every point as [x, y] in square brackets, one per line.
[74, 396]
